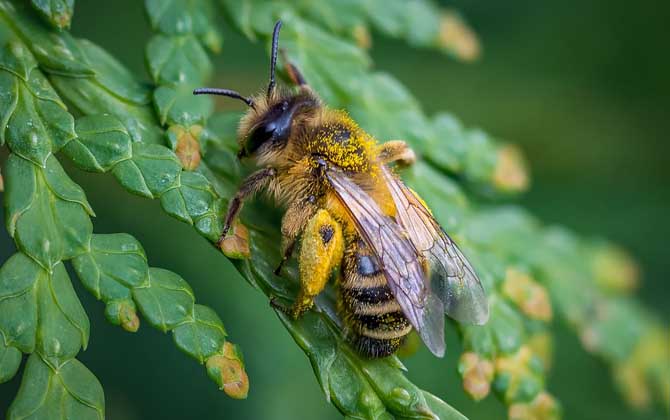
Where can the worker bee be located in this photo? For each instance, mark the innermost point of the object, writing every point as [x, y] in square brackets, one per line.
[396, 268]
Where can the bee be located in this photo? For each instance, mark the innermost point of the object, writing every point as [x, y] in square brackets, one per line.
[396, 268]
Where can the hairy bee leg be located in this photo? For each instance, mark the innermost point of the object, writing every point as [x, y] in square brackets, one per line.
[294, 221]
[293, 73]
[396, 151]
[250, 186]
[322, 248]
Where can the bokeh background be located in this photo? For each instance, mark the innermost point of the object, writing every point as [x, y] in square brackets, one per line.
[582, 86]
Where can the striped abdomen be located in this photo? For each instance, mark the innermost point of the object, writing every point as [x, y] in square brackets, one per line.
[376, 321]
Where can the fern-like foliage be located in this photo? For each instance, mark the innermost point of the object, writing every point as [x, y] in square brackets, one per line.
[160, 142]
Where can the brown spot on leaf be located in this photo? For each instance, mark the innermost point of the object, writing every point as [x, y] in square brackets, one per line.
[62, 20]
[477, 374]
[226, 368]
[128, 317]
[510, 173]
[456, 37]
[615, 270]
[187, 145]
[236, 244]
[530, 296]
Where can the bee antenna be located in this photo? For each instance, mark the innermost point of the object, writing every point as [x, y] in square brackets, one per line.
[224, 92]
[273, 58]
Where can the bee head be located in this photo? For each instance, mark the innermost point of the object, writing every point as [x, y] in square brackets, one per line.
[267, 127]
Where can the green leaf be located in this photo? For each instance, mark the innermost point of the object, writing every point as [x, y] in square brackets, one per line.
[91, 98]
[165, 300]
[68, 391]
[202, 336]
[10, 360]
[416, 21]
[56, 51]
[332, 71]
[194, 201]
[114, 76]
[102, 142]
[359, 388]
[178, 105]
[57, 12]
[37, 122]
[152, 170]
[16, 59]
[112, 89]
[385, 108]
[502, 334]
[115, 264]
[448, 149]
[41, 310]
[176, 17]
[63, 325]
[340, 16]
[343, 384]
[177, 59]
[19, 276]
[442, 409]
[46, 211]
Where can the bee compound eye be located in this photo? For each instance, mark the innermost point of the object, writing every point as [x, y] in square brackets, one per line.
[259, 136]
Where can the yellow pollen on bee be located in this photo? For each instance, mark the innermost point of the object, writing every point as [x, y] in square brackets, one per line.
[352, 152]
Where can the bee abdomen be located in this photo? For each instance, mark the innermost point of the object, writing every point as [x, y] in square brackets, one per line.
[376, 321]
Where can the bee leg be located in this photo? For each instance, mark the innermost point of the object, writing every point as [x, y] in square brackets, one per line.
[287, 251]
[274, 302]
[396, 151]
[321, 251]
[250, 186]
[294, 221]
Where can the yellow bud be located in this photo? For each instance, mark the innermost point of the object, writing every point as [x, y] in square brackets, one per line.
[520, 373]
[236, 244]
[362, 36]
[511, 173]
[2, 184]
[456, 37]
[213, 41]
[531, 297]
[63, 20]
[615, 270]
[227, 369]
[514, 363]
[541, 344]
[543, 407]
[635, 389]
[646, 366]
[477, 375]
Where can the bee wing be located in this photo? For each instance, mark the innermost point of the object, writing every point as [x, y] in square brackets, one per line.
[451, 276]
[399, 260]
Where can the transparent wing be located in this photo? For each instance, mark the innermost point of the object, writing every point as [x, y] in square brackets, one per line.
[399, 261]
[452, 277]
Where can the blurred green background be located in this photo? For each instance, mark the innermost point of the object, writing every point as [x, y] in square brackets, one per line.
[583, 87]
